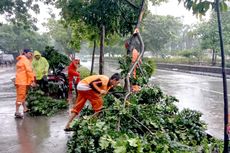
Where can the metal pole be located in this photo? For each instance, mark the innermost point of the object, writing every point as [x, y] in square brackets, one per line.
[224, 78]
[141, 12]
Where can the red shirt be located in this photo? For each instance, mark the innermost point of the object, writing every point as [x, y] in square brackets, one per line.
[73, 65]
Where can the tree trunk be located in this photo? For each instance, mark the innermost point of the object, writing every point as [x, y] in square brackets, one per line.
[101, 59]
[93, 56]
[213, 57]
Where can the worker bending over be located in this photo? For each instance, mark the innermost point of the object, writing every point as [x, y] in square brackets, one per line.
[92, 88]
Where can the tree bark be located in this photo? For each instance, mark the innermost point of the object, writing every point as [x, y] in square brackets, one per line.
[101, 59]
[93, 56]
[213, 57]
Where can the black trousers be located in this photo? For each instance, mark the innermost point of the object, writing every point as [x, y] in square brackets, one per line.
[43, 84]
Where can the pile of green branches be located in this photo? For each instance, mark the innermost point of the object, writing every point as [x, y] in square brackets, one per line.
[149, 122]
[40, 104]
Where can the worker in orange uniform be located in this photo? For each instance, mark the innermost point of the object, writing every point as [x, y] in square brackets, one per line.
[24, 79]
[92, 88]
[72, 72]
[133, 51]
[134, 55]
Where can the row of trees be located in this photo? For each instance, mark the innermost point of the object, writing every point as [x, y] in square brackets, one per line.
[13, 38]
[157, 32]
[107, 24]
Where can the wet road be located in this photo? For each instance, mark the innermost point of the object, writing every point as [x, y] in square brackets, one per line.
[31, 134]
[203, 93]
[46, 135]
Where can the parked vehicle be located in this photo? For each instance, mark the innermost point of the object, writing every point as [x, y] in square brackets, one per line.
[58, 78]
[6, 59]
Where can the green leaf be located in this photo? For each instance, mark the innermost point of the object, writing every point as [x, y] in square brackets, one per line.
[100, 125]
[223, 6]
[133, 142]
[103, 142]
[120, 149]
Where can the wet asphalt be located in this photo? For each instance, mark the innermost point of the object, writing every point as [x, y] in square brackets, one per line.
[31, 134]
[46, 134]
[197, 92]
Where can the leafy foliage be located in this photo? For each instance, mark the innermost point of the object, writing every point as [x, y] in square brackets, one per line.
[84, 72]
[14, 38]
[20, 12]
[208, 36]
[54, 58]
[107, 17]
[147, 125]
[118, 16]
[148, 67]
[40, 104]
[202, 6]
[100, 12]
[62, 36]
[158, 31]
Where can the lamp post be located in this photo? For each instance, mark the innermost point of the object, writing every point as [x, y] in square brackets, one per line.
[224, 77]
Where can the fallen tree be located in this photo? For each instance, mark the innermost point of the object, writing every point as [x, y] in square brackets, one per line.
[148, 122]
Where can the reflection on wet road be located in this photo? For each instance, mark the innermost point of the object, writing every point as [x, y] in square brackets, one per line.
[31, 134]
[46, 135]
[203, 93]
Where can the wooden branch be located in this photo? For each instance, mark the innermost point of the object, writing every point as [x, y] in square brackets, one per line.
[142, 125]
[130, 3]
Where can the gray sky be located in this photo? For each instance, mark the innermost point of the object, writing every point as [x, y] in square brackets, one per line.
[173, 8]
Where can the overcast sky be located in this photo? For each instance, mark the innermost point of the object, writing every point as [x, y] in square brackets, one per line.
[173, 8]
[44, 15]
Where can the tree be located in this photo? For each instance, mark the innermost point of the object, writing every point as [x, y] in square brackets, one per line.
[14, 38]
[19, 12]
[62, 36]
[187, 40]
[106, 16]
[208, 35]
[202, 6]
[160, 30]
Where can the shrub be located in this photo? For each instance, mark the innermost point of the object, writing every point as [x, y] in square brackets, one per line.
[84, 72]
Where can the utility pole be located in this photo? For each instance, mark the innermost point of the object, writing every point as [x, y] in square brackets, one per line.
[224, 77]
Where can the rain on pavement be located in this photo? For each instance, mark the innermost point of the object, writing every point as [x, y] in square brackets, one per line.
[31, 134]
[46, 135]
[197, 92]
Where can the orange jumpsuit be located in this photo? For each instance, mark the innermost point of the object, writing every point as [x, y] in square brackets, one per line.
[135, 55]
[24, 77]
[72, 72]
[86, 91]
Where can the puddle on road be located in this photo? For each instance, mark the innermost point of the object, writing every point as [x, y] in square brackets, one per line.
[31, 134]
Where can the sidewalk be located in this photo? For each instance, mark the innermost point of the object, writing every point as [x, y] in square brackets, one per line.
[195, 69]
[31, 134]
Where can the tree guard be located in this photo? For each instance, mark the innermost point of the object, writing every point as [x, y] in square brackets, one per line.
[127, 79]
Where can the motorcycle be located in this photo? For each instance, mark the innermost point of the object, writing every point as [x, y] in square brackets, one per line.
[58, 78]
